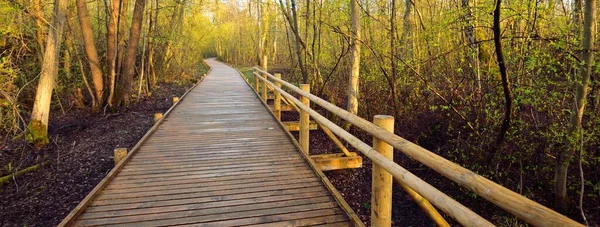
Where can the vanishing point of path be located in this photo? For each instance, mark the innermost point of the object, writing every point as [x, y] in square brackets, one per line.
[218, 159]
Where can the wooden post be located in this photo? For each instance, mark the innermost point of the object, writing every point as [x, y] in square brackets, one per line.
[304, 121]
[256, 81]
[277, 101]
[157, 117]
[264, 88]
[381, 194]
[175, 100]
[119, 154]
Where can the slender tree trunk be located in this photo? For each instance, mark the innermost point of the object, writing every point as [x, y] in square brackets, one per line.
[90, 51]
[122, 37]
[505, 83]
[585, 71]
[111, 48]
[68, 54]
[151, 41]
[407, 33]
[128, 70]
[393, 56]
[469, 31]
[259, 43]
[40, 27]
[37, 132]
[354, 58]
[143, 66]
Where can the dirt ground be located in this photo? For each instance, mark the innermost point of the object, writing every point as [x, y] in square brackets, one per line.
[79, 156]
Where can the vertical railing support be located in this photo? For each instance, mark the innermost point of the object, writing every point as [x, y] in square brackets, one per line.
[264, 87]
[256, 81]
[119, 154]
[304, 121]
[381, 194]
[157, 117]
[277, 101]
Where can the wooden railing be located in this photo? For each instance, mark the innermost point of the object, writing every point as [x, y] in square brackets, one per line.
[384, 167]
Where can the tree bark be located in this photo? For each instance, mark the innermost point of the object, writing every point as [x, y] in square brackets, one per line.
[90, 51]
[354, 58]
[37, 132]
[128, 69]
[392, 56]
[469, 31]
[505, 83]
[585, 71]
[111, 48]
[121, 35]
[40, 27]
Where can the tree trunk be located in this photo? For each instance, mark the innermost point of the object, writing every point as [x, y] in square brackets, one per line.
[259, 43]
[354, 58]
[585, 71]
[469, 31]
[40, 27]
[406, 34]
[393, 56]
[111, 48]
[299, 46]
[128, 69]
[90, 51]
[121, 34]
[505, 84]
[37, 132]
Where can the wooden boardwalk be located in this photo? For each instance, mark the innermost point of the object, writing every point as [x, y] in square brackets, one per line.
[219, 158]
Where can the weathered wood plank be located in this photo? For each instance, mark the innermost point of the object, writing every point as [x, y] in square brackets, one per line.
[294, 126]
[147, 219]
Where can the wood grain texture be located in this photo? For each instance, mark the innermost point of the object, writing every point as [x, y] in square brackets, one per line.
[218, 159]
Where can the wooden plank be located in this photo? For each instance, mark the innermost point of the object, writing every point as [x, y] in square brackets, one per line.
[243, 169]
[249, 217]
[115, 195]
[135, 172]
[315, 156]
[91, 213]
[284, 108]
[173, 185]
[328, 220]
[195, 176]
[272, 215]
[278, 189]
[199, 200]
[335, 163]
[294, 126]
[147, 219]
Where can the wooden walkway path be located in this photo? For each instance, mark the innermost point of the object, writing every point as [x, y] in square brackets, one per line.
[219, 158]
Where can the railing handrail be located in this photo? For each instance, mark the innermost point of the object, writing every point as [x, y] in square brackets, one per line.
[518, 205]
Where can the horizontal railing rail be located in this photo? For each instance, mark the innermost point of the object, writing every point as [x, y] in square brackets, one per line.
[518, 205]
